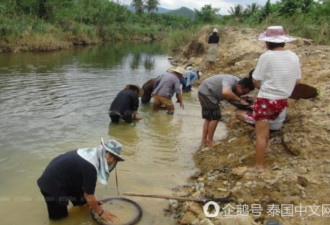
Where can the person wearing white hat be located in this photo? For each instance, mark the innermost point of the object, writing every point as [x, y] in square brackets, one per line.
[276, 74]
[169, 83]
[212, 51]
[72, 177]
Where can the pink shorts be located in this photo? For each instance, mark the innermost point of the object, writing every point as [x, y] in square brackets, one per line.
[268, 109]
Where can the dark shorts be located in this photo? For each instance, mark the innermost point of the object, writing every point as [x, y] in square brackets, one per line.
[57, 208]
[210, 111]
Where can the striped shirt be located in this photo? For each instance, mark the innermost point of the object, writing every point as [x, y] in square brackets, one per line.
[277, 72]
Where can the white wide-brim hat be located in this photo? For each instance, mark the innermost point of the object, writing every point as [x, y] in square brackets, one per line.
[275, 34]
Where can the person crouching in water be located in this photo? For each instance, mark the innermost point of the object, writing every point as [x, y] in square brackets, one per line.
[72, 177]
[125, 105]
[168, 85]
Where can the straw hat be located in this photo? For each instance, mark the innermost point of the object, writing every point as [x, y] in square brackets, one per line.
[215, 30]
[180, 70]
[114, 147]
[137, 86]
[275, 34]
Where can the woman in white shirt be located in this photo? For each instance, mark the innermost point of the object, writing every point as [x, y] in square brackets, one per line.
[276, 74]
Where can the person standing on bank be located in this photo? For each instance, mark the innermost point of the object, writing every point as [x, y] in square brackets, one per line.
[276, 74]
[213, 45]
[165, 89]
[126, 104]
[213, 90]
[72, 177]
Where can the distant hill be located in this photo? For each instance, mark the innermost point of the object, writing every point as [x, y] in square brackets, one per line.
[159, 10]
[163, 10]
[184, 12]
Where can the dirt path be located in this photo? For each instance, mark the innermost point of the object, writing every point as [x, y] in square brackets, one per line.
[294, 189]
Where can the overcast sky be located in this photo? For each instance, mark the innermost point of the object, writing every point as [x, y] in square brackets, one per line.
[224, 5]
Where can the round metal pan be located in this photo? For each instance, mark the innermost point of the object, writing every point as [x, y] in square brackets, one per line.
[131, 222]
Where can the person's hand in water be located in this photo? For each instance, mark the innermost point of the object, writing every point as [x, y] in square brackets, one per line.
[108, 216]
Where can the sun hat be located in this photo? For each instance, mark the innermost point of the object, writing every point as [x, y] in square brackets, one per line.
[275, 34]
[180, 70]
[114, 147]
[215, 30]
[137, 86]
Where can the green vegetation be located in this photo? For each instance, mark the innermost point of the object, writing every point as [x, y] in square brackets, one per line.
[44, 25]
[303, 18]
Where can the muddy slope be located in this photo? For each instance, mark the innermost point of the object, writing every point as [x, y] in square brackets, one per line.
[297, 172]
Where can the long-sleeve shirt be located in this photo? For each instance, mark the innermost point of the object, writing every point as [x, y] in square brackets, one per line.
[125, 103]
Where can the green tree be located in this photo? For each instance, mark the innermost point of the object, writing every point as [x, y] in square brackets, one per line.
[207, 14]
[237, 12]
[138, 5]
[251, 9]
[152, 5]
[289, 7]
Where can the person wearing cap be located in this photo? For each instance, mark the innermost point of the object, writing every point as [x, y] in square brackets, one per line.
[72, 177]
[213, 90]
[212, 51]
[276, 74]
[125, 105]
[169, 84]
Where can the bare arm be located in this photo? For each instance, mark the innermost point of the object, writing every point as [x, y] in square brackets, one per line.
[230, 95]
[94, 204]
[256, 83]
[179, 97]
[136, 116]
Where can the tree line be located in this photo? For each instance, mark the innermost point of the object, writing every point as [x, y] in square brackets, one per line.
[93, 21]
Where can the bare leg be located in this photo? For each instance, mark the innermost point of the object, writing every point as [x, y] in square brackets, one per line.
[262, 140]
[205, 131]
[239, 114]
[211, 129]
[155, 107]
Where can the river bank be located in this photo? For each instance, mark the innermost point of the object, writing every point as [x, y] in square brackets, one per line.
[294, 187]
[52, 42]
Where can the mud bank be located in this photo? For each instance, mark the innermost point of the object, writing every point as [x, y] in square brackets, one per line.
[294, 189]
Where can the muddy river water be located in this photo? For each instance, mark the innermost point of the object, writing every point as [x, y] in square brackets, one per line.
[51, 103]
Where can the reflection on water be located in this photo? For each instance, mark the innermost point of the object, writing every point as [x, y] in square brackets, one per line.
[51, 103]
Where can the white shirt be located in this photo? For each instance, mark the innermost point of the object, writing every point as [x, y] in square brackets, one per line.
[277, 72]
